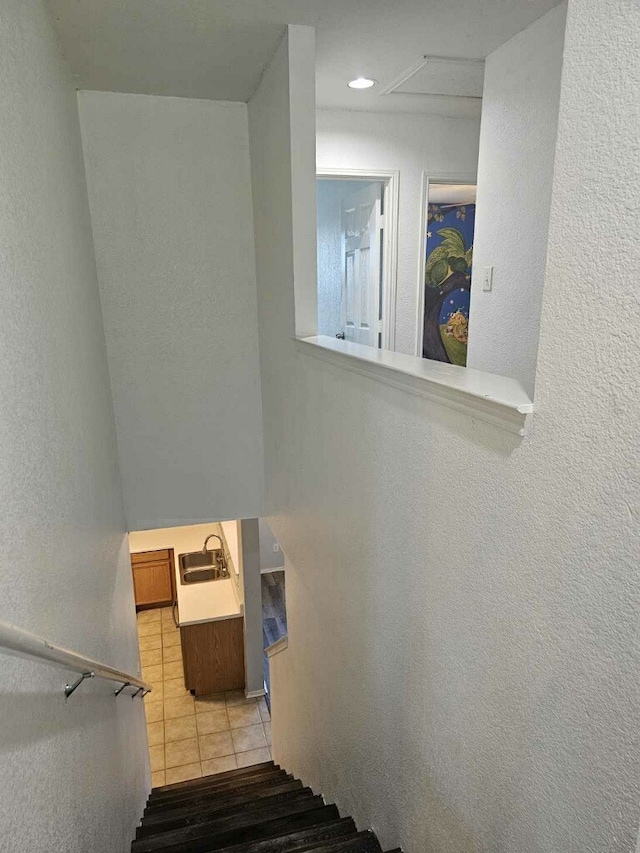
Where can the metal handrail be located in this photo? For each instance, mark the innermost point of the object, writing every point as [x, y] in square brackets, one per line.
[16, 641]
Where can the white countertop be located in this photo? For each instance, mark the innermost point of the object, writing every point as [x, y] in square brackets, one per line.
[208, 601]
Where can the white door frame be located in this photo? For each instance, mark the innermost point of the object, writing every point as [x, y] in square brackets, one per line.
[431, 178]
[391, 180]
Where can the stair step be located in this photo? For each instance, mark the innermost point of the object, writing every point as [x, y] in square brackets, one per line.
[220, 789]
[164, 822]
[227, 776]
[228, 827]
[271, 831]
[353, 842]
[298, 841]
[256, 809]
[359, 842]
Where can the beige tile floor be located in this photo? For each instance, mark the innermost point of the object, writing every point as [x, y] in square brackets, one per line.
[188, 737]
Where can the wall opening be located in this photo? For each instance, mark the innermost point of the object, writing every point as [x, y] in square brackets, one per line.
[445, 275]
[356, 228]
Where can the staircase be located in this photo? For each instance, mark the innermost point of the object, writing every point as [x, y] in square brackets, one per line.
[259, 809]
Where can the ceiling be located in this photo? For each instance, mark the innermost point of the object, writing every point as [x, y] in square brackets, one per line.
[217, 49]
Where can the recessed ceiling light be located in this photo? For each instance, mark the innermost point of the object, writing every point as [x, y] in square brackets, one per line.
[361, 83]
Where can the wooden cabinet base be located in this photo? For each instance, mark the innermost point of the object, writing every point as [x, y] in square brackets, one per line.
[213, 656]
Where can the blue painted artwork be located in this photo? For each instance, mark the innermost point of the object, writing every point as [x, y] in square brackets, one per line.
[448, 282]
[457, 302]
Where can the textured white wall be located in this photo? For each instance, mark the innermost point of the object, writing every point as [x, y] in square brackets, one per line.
[412, 144]
[170, 196]
[515, 175]
[282, 158]
[462, 604]
[74, 775]
[269, 559]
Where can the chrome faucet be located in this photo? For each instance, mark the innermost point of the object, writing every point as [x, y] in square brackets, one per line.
[212, 536]
[220, 558]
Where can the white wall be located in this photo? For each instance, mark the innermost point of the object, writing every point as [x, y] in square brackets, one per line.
[170, 195]
[283, 157]
[75, 774]
[269, 559]
[411, 144]
[462, 604]
[515, 177]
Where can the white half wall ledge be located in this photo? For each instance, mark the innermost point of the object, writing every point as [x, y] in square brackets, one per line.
[497, 400]
[277, 647]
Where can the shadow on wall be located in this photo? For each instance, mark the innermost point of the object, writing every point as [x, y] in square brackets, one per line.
[22, 725]
[385, 397]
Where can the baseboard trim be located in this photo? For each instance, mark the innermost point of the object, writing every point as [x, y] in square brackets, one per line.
[254, 694]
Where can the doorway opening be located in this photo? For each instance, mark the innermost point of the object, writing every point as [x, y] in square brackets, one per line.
[191, 598]
[274, 618]
[447, 231]
[357, 215]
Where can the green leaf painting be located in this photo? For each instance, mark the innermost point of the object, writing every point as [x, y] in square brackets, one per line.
[447, 296]
[449, 257]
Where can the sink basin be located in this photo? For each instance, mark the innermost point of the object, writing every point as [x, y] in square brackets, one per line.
[199, 566]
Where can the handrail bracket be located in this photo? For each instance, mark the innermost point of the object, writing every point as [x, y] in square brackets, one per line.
[70, 688]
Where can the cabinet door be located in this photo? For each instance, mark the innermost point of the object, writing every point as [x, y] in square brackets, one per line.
[213, 655]
[152, 577]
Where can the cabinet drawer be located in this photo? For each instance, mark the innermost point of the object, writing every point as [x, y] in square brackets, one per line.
[149, 557]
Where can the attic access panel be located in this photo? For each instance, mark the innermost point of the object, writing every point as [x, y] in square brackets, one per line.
[440, 75]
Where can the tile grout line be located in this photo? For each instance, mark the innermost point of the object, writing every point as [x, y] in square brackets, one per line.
[194, 714]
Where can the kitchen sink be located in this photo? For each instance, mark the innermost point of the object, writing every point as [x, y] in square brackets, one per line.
[199, 566]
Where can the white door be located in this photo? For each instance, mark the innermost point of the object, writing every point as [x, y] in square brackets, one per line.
[361, 265]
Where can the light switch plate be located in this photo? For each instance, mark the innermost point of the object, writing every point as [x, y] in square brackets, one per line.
[487, 279]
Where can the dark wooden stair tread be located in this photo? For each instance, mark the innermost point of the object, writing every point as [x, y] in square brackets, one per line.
[221, 825]
[212, 809]
[228, 776]
[362, 842]
[357, 842]
[220, 791]
[257, 809]
[253, 833]
[297, 841]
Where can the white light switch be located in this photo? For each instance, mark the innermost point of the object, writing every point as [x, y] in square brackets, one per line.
[487, 279]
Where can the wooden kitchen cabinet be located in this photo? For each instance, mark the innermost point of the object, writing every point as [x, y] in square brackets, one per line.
[213, 656]
[154, 581]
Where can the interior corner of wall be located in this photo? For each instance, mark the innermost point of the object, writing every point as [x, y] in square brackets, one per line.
[302, 113]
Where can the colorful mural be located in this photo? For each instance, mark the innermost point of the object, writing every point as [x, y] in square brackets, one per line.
[448, 282]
